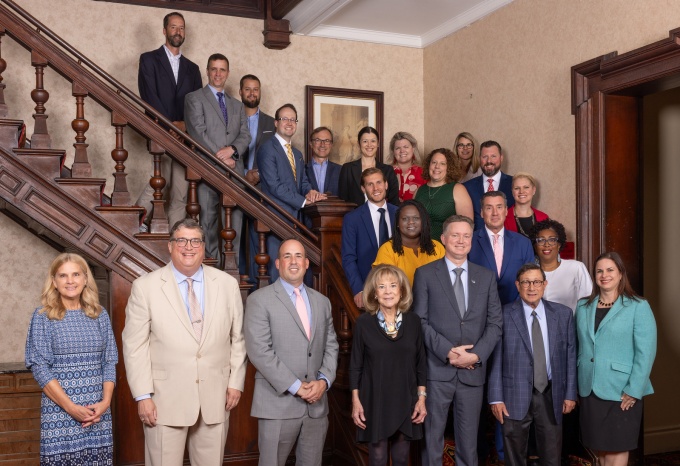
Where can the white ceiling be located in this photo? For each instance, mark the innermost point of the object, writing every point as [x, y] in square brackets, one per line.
[409, 23]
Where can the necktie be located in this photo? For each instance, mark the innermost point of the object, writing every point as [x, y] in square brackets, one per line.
[491, 188]
[383, 235]
[459, 291]
[498, 252]
[223, 107]
[195, 310]
[540, 366]
[302, 312]
[291, 160]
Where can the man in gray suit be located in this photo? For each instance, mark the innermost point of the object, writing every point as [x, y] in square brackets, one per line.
[291, 342]
[219, 123]
[458, 305]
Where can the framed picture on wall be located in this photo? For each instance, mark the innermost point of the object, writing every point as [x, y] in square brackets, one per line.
[345, 112]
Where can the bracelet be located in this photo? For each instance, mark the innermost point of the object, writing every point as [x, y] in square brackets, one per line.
[422, 393]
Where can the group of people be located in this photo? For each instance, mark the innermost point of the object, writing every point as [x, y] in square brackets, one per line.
[468, 306]
[506, 324]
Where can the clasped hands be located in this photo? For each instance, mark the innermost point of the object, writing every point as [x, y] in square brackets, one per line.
[90, 414]
[312, 391]
[460, 357]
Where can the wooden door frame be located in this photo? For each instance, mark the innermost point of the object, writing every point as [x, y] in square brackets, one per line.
[647, 70]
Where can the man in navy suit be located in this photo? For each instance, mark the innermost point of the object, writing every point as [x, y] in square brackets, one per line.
[288, 187]
[322, 173]
[491, 179]
[533, 370]
[362, 233]
[498, 249]
[165, 77]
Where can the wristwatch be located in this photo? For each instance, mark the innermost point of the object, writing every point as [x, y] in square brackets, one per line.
[422, 393]
[235, 155]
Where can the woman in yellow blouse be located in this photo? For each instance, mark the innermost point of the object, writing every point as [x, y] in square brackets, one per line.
[411, 245]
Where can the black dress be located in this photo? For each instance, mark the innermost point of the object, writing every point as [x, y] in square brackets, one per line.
[604, 425]
[349, 184]
[388, 371]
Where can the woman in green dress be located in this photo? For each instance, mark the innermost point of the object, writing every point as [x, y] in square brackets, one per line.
[442, 196]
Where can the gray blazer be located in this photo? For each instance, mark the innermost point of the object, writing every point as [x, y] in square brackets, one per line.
[205, 123]
[435, 302]
[278, 347]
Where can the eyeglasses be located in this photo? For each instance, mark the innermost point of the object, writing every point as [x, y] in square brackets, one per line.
[322, 142]
[537, 283]
[469, 145]
[549, 241]
[182, 242]
[287, 120]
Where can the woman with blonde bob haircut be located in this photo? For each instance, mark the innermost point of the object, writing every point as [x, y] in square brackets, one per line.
[388, 351]
[72, 354]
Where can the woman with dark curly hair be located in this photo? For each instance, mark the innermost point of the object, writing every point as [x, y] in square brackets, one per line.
[411, 245]
[568, 280]
[442, 195]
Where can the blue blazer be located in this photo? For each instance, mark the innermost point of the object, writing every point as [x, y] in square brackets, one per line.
[476, 190]
[276, 176]
[517, 251]
[332, 177]
[618, 358]
[511, 380]
[360, 245]
[157, 83]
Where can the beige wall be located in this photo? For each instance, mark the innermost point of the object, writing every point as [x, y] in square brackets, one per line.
[114, 35]
[507, 78]
[661, 138]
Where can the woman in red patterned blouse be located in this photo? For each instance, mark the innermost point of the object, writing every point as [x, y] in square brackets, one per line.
[406, 163]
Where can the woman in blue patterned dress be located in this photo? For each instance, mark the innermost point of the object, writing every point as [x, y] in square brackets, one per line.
[72, 353]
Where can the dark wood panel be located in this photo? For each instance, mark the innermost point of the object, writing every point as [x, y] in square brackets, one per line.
[243, 8]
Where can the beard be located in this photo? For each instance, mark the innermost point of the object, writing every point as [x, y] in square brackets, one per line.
[490, 170]
[251, 103]
[176, 40]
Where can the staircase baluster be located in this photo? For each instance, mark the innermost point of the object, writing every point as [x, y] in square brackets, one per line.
[193, 207]
[120, 195]
[81, 167]
[41, 138]
[3, 67]
[159, 221]
[228, 234]
[262, 258]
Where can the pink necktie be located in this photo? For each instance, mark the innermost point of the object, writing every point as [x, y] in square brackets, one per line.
[195, 310]
[498, 252]
[302, 312]
[491, 188]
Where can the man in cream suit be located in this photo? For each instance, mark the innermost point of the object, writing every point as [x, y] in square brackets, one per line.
[219, 123]
[291, 342]
[185, 353]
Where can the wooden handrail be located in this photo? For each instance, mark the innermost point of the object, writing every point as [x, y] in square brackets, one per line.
[336, 275]
[250, 199]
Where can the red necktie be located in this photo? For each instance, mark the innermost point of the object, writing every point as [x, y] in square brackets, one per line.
[491, 188]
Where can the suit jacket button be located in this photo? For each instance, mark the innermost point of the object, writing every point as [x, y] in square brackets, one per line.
[196, 380]
[305, 376]
[310, 355]
[592, 359]
[198, 355]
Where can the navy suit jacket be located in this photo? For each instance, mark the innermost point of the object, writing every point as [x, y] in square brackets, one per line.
[276, 176]
[332, 176]
[157, 83]
[517, 251]
[511, 380]
[360, 245]
[434, 301]
[476, 190]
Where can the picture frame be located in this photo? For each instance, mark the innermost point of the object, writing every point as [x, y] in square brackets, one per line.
[345, 112]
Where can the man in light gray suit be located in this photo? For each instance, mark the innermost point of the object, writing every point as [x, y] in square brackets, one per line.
[291, 342]
[458, 305]
[219, 123]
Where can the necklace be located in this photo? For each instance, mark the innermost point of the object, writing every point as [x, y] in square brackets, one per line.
[603, 304]
[430, 194]
[519, 224]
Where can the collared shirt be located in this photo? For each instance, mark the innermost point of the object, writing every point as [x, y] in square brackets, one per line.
[375, 216]
[253, 123]
[174, 62]
[501, 236]
[320, 170]
[496, 181]
[540, 315]
[215, 91]
[290, 291]
[184, 287]
[463, 276]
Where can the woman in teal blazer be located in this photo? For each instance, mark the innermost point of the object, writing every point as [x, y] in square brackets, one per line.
[617, 345]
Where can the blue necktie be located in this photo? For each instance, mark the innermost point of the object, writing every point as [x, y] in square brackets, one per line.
[382, 227]
[220, 97]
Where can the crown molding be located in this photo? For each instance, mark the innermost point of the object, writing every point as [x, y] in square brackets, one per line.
[364, 35]
[307, 16]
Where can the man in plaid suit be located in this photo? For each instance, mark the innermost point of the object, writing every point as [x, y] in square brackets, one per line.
[533, 370]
